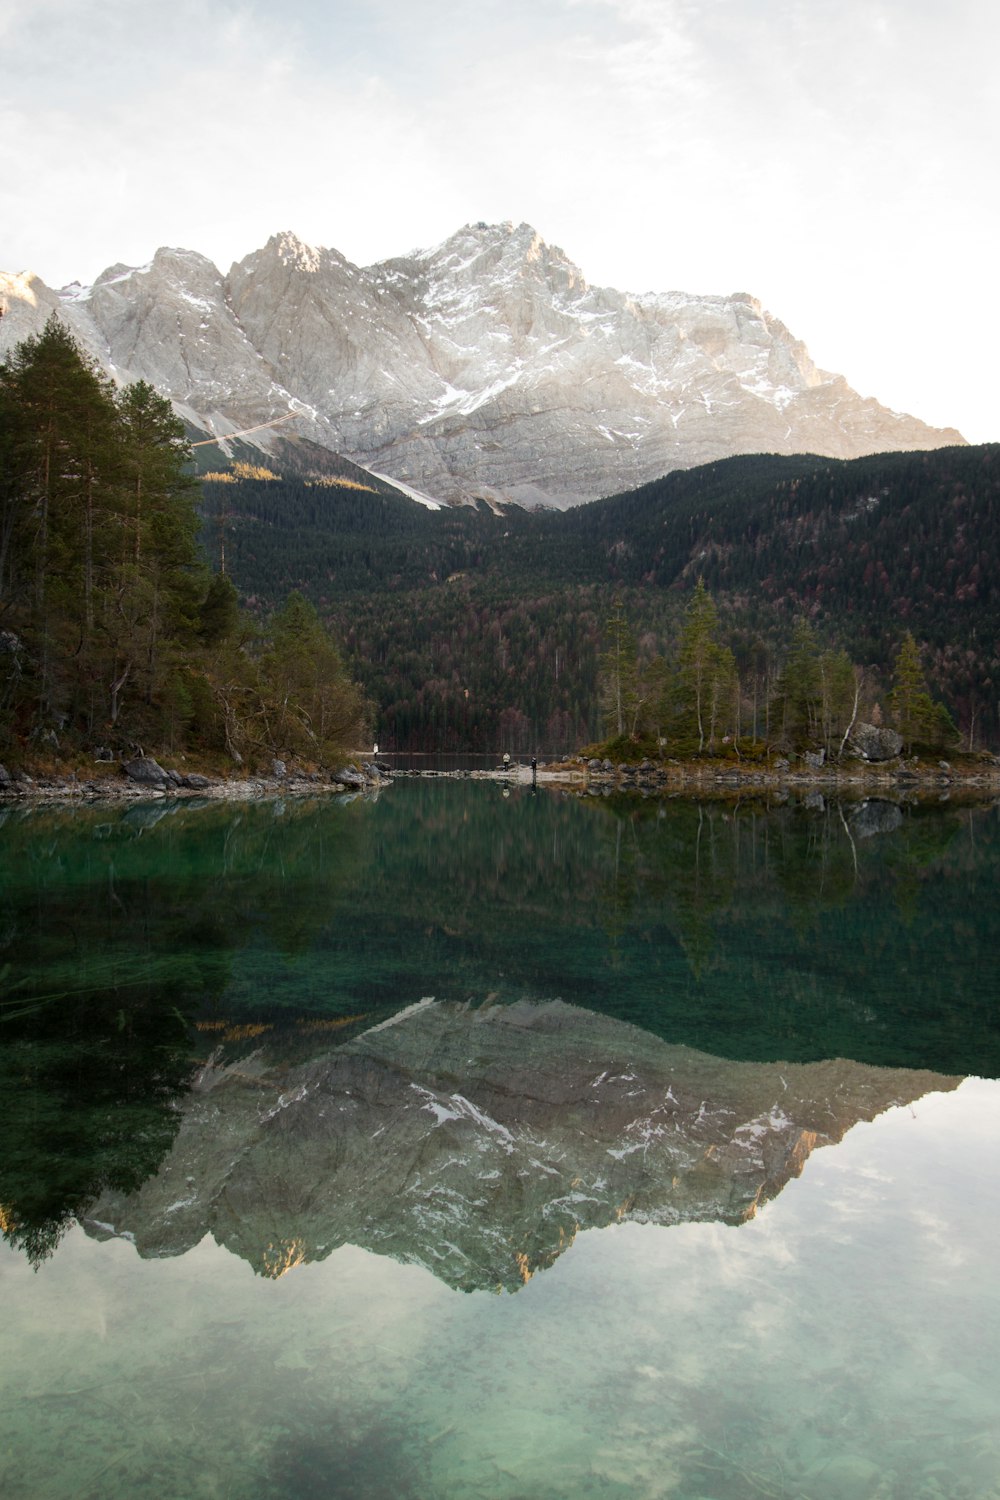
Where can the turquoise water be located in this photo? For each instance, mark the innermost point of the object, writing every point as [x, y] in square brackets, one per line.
[454, 1144]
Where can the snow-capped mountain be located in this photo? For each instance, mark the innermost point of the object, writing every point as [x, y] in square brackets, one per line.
[487, 366]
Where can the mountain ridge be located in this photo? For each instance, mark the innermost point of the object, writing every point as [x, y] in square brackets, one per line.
[486, 367]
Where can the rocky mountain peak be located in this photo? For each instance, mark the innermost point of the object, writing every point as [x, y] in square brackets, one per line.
[504, 254]
[292, 251]
[486, 366]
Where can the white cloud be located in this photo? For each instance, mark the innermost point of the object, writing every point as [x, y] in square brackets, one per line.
[835, 159]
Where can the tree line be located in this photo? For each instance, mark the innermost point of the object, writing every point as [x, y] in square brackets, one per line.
[114, 631]
[481, 628]
[696, 701]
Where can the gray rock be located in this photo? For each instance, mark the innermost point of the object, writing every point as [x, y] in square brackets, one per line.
[145, 771]
[279, 769]
[175, 778]
[874, 742]
[195, 781]
[347, 776]
[815, 758]
[6, 779]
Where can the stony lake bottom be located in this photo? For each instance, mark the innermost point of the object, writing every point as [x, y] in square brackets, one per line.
[472, 1141]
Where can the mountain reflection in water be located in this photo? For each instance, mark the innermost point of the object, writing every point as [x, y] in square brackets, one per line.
[477, 1141]
[217, 1038]
[678, 935]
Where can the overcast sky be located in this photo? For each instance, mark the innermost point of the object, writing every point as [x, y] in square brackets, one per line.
[836, 158]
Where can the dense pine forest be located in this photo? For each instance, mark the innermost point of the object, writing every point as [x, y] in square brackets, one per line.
[114, 632]
[490, 628]
[760, 603]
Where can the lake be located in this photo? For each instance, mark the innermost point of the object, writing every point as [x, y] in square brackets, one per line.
[486, 1141]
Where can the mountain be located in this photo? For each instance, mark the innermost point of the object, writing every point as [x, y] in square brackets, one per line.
[486, 367]
[502, 1130]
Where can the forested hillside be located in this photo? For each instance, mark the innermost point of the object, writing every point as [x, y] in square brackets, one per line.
[475, 628]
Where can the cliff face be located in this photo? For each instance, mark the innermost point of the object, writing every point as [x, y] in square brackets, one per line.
[484, 367]
[476, 1142]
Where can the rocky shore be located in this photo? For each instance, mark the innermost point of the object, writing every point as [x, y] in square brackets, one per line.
[804, 776]
[854, 776]
[143, 776]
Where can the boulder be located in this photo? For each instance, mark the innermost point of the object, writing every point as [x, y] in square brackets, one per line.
[278, 769]
[145, 771]
[347, 776]
[876, 743]
[815, 758]
[195, 781]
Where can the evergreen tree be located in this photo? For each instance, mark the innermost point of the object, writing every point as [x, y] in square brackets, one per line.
[220, 610]
[921, 721]
[283, 691]
[58, 497]
[156, 577]
[705, 674]
[799, 693]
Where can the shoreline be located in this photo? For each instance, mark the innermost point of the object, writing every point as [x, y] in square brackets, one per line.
[672, 777]
[891, 781]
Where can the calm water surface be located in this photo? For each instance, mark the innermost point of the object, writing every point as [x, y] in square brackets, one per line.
[468, 1144]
